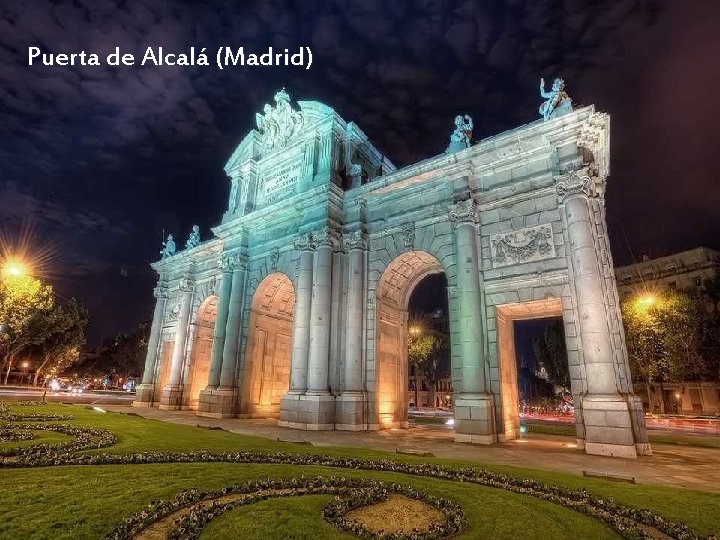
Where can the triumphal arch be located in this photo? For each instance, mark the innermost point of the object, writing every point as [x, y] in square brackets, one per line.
[297, 306]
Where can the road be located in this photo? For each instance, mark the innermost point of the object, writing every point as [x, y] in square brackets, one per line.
[18, 393]
[677, 424]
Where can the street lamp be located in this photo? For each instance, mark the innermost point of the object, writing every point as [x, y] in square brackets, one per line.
[14, 268]
[647, 300]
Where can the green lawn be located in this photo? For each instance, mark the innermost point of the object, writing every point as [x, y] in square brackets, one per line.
[88, 501]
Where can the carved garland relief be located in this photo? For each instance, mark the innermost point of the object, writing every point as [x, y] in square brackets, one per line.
[522, 246]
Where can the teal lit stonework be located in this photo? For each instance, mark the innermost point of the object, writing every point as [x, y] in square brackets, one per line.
[296, 307]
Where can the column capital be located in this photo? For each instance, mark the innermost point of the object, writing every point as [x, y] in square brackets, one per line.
[305, 242]
[161, 291]
[327, 237]
[355, 240]
[229, 262]
[187, 285]
[466, 211]
[582, 182]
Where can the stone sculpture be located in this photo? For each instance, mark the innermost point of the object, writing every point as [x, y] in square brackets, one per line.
[278, 125]
[194, 238]
[169, 247]
[460, 138]
[557, 100]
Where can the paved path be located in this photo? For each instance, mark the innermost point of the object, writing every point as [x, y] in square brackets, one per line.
[671, 465]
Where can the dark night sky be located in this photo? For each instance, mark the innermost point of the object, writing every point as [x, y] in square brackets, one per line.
[97, 161]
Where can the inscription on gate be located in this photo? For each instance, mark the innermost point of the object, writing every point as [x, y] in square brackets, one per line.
[280, 183]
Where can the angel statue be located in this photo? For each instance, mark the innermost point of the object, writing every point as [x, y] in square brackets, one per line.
[558, 102]
[280, 124]
[194, 238]
[460, 138]
[168, 247]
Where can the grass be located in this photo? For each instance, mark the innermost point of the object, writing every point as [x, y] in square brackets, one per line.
[293, 518]
[86, 502]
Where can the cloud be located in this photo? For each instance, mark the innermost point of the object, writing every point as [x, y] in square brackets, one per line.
[117, 155]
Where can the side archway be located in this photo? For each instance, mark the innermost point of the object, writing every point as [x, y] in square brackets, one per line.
[393, 294]
[199, 368]
[266, 370]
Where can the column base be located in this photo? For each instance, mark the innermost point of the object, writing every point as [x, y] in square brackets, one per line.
[608, 426]
[350, 411]
[144, 394]
[315, 412]
[289, 409]
[217, 402]
[171, 398]
[637, 417]
[474, 421]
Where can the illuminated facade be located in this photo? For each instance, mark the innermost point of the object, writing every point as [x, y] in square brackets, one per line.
[307, 279]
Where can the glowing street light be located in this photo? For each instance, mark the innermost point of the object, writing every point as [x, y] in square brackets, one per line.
[14, 268]
[647, 300]
[415, 330]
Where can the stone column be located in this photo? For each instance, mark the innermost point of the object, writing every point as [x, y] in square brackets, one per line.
[290, 402]
[318, 409]
[473, 404]
[144, 391]
[207, 405]
[350, 408]
[172, 392]
[232, 330]
[606, 412]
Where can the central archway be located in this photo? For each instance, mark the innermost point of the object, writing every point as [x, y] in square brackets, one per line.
[269, 342]
[393, 294]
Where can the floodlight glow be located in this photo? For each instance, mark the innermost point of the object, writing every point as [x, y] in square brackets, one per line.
[450, 422]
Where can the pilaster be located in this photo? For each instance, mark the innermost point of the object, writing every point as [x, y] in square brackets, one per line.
[214, 402]
[317, 405]
[474, 418]
[606, 412]
[350, 407]
[290, 402]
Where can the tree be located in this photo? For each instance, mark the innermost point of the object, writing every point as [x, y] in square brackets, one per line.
[65, 339]
[428, 355]
[24, 303]
[121, 354]
[682, 337]
[551, 354]
[709, 300]
[664, 338]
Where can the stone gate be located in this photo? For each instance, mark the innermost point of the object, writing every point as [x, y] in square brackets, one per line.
[297, 307]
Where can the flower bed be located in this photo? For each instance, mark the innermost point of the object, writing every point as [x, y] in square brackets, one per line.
[349, 493]
[84, 438]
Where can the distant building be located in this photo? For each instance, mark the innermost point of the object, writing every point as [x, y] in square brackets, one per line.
[686, 270]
